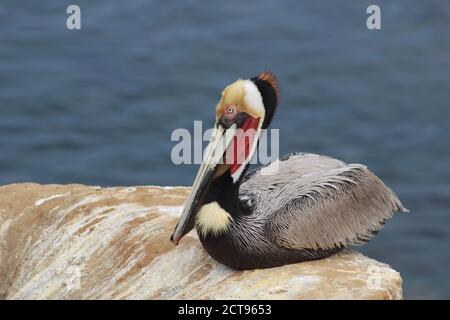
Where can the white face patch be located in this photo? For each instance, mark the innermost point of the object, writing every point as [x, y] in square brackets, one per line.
[253, 98]
[212, 219]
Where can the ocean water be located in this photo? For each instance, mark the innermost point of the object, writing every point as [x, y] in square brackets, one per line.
[98, 105]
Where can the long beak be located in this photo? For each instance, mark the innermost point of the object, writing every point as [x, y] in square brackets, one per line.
[220, 139]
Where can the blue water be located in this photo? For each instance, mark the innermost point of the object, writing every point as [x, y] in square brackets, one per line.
[97, 106]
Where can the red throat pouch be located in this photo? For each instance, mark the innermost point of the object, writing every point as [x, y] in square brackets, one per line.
[239, 149]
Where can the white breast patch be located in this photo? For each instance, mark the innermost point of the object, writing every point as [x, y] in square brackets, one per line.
[212, 219]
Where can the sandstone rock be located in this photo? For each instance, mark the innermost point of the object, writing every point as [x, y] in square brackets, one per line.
[79, 242]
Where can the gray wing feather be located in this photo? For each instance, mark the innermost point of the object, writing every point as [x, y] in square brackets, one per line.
[312, 201]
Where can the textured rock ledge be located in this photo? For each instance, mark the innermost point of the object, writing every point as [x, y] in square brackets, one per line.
[79, 242]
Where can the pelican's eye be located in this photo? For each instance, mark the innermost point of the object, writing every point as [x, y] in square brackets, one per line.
[229, 116]
[230, 110]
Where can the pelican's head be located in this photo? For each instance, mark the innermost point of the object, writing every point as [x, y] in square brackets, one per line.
[245, 107]
[252, 98]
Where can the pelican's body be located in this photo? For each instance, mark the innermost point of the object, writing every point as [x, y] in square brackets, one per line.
[300, 207]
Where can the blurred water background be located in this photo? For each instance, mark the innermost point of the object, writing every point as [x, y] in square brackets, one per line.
[97, 106]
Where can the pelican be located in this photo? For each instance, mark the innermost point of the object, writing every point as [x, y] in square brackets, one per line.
[300, 207]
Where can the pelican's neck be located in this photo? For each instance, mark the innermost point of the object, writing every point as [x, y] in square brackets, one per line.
[225, 192]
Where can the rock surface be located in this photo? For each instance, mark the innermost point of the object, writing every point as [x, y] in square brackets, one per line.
[79, 242]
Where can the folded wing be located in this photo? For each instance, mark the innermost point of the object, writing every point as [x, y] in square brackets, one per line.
[317, 202]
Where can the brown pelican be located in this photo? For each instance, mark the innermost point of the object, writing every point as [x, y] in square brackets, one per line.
[309, 208]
